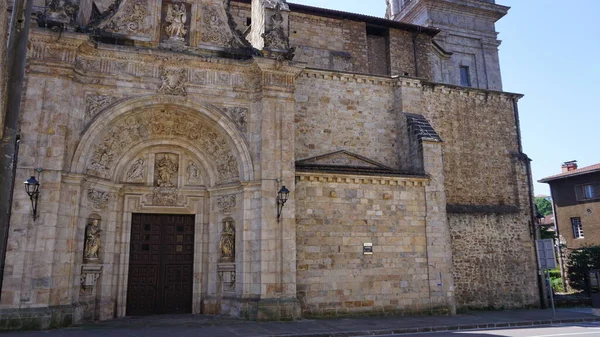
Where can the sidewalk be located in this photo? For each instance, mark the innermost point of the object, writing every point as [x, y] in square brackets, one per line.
[189, 325]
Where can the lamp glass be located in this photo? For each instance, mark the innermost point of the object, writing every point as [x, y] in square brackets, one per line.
[283, 194]
[32, 186]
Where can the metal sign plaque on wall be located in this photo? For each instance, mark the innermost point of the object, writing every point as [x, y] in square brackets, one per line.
[545, 253]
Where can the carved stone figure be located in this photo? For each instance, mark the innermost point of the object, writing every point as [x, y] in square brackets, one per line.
[173, 81]
[193, 174]
[275, 38]
[176, 16]
[92, 240]
[137, 171]
[166, 170]
[227, 243]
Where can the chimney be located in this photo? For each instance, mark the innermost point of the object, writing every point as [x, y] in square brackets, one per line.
[569, 166]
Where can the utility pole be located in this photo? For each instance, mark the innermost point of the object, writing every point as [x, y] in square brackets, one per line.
[12, 77]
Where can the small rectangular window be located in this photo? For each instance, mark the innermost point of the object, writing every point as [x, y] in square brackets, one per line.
[577, 228]
[465, 76]
[587, 191]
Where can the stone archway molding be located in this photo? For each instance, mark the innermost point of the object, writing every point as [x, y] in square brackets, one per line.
[196, 111]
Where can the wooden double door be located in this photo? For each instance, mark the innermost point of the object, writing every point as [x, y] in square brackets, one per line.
[161, 262]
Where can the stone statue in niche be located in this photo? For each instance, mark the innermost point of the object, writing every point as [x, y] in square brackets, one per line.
[92, 240]
[228, 242]
[193, 174]
[166, 171]
[176, 16]
[137, 171]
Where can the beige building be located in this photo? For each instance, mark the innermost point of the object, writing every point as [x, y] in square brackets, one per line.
[576, 197]
[162, 132]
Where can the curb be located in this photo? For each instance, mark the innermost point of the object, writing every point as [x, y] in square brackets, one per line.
[461, 327]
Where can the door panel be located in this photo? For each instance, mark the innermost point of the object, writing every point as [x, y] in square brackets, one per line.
[161, 264]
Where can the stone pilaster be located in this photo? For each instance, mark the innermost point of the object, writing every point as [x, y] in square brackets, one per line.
[439, 248]
[3, 54]
[278, 239]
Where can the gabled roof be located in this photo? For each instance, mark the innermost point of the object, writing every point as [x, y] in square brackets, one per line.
[577, 172]
[346, 162]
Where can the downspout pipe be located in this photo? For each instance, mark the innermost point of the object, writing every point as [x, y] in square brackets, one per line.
[532, 221]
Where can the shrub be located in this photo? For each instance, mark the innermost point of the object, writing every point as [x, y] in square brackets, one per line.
[581, 261]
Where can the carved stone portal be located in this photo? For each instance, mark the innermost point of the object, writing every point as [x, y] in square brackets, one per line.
[93, 241]
[227, 243]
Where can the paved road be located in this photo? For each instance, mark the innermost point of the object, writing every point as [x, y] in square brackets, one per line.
[566, 330]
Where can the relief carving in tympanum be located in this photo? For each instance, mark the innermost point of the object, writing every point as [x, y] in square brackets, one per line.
[145, 125]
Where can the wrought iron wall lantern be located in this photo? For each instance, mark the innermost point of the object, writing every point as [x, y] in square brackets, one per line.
[32, 187]
[282, 197]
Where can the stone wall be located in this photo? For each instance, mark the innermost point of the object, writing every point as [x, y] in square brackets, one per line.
[494, 262]
[335, 216]
[350, 113]
[480, 139]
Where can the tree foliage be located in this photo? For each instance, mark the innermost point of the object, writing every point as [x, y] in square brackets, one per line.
[581, 261]
[544, 206]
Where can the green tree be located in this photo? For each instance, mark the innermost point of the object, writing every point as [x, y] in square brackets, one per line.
[544, 206]
[580, 262]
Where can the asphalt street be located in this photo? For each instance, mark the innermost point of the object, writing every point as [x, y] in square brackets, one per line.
[564, 330]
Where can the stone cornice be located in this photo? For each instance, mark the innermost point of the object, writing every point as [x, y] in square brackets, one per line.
[417, 181]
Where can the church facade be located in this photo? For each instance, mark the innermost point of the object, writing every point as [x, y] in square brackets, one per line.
[163, 132]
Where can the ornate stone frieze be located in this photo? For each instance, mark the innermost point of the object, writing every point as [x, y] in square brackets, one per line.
[137, 171]
[146, 125]
[176, 19]
[239, 116]
[226, 203]
[166, 196]
[173, 81]
[130, 18]
[88, 64]
[96, 103]
[98, 199]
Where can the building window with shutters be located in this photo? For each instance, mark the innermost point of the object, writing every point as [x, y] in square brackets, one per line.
[577, 228]
[587, 191]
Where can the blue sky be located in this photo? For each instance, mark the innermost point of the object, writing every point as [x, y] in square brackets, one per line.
[551, 53]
